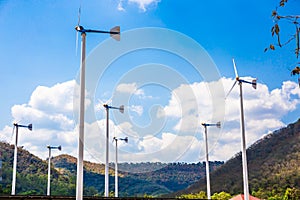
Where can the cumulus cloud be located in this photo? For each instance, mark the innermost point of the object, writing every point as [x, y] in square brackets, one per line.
[137, 109]
[142, 4]
[120, 6]
[50, 111]
[193, 103]
[264, 110]
[129, 88]
[53, 98]
[50, 106]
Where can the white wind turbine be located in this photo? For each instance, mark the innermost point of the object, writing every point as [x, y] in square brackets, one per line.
[114, 33]
[244, 155]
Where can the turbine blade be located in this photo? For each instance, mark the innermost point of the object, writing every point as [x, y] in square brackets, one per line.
[230, 89]
[12, 133]
[76, 50]
[235, 71]
[79, 13]
[78, 22]
[100, 101]
[108, 101]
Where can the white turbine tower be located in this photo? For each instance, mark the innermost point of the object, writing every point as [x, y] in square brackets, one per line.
[116, 165]
[14, 177]
[106, 179]
[244, 155]
[205, 125]
[114, 33]
[49, 166]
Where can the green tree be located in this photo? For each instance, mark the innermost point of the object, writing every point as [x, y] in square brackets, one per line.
[291, 194]
[147, 196]
[221, 196]
[200, 195]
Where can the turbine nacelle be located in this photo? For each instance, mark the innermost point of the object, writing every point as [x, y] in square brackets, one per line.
[79, 28]
[124, 139]
[29, 126]
[218, 124]
[253, 82]
[121, 108]
[52, 147]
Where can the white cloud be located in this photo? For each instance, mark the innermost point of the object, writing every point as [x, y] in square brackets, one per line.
[49, 106]
[120, 6]
[126, 127]
[263, 110]
[138, 109]
[167, 148]
[193, 104]
[53, 99]
[50, 111]
[129, 88]
[142, 4]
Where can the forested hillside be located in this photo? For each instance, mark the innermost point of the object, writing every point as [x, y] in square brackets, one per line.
[273, 166]
[32, 175]
[166, 179]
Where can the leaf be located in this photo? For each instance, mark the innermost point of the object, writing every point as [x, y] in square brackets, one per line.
[295, 71]
[266, 49]
[277, 30]
[273, 30]
[282, 2]
[272, 47]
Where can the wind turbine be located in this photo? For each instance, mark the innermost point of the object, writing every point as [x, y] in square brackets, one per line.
[114, 33]
[116, 164]
[14, 177]
[49, 166]
[244, 155]
[107, 107]
[205, 125]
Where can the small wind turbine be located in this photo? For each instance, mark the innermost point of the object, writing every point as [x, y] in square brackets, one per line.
[244, 156]
[205, 125]
[116, 164]
[106, 179]
[49, 166]
[14, 176]
[114, 33]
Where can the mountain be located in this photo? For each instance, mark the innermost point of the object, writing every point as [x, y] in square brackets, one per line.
[94, 178]
[273, 167]
[165, 179]
[32, 175]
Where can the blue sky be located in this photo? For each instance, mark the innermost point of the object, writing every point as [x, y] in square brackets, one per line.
[39, 65]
